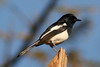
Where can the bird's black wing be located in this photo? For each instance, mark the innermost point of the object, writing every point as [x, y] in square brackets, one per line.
[53, 33]
[48, 29]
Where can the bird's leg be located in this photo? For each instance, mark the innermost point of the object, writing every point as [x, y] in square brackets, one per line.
[56, 47]
[53, 47]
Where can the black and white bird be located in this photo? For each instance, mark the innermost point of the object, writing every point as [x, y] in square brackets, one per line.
[55, 33]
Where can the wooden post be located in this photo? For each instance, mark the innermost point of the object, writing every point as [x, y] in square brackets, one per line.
[60, 60]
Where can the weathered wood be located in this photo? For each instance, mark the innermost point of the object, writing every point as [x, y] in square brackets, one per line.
[60, 60]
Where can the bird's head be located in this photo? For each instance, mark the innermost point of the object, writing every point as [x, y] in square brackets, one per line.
[69, 18]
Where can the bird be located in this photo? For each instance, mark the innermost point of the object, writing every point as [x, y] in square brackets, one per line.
[56, 33]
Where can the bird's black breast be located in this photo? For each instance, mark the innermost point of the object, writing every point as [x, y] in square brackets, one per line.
[69, 31]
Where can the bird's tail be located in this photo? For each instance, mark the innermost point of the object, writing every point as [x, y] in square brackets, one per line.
[28, 48]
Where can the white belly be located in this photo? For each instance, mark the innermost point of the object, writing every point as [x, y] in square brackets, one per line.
[59, 38]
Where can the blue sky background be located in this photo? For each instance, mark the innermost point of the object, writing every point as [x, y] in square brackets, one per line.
[88, 44]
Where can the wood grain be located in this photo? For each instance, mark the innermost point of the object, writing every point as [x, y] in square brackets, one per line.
[60, 60]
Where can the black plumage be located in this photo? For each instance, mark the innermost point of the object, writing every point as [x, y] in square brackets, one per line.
[55, 33]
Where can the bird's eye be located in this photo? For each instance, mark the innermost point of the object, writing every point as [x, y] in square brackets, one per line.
[75, 19]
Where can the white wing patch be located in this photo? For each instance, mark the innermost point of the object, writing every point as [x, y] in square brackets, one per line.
[54, 28]
[64, 24]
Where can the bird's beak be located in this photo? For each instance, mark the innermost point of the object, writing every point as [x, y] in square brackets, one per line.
[78, 20]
